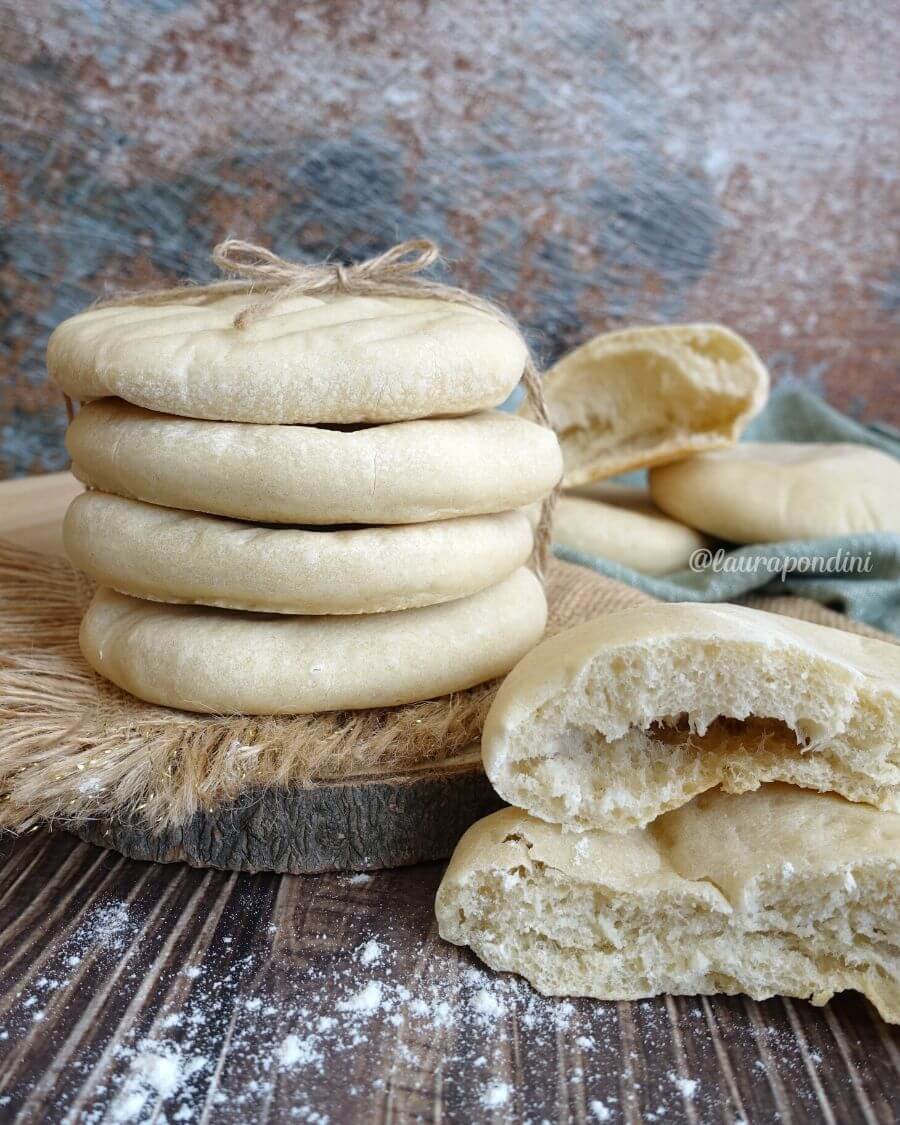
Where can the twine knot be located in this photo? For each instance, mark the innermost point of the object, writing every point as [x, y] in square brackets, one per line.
[279, 278]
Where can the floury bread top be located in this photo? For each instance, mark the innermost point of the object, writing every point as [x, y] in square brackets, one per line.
[404, 472]
[334, 357]
[196, 659]
[187, 557]
[766, 492]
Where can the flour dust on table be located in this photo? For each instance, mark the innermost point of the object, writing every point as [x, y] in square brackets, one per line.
[173, 1066]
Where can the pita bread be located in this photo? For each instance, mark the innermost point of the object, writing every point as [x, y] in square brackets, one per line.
[407, 472]
[172, 556]
[619, 720]
[627, 528]
[777, 892]
[313, 359]
[222, 661]
[646, 396]
[768, 492]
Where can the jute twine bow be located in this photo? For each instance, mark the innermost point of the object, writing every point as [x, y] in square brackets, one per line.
[395, 273]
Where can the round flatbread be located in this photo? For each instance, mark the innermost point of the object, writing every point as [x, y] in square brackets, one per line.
[172, 556]
[620, 719]
[765, 493]
[312, 359]
[405, 472]
[624, 525]
[646, 396]
[217, 660]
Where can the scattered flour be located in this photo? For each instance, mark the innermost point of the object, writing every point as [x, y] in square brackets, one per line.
[250, 1028]
[162, 1072]
[156, 1071]
[370, 953]
[496, 1094]
[297, 1051]
[109, 927]
[687, 1087]
[486, 1003]
[368, 999]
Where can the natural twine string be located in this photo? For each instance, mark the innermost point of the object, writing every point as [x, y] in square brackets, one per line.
[395, 273]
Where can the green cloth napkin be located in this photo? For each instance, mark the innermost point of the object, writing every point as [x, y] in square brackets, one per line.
[869, 593]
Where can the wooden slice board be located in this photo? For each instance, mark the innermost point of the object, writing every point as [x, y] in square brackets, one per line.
[362, 825]
[353, 826]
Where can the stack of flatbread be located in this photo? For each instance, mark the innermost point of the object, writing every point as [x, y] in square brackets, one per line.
[318, 510]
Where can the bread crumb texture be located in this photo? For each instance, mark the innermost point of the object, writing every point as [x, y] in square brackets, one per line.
[615, 722]
[647, 396]
[779, 892]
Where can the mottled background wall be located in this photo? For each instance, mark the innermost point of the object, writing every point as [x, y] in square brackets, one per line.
[590, 164]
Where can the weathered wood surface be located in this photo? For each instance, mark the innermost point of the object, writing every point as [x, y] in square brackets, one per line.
[592, 165]
[360, 826]
[32, 510]
[106, 963]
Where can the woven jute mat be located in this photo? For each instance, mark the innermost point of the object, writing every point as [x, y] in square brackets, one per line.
[78, 752]
[73, 745]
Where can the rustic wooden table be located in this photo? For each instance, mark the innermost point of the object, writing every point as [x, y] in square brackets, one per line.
[148, 993]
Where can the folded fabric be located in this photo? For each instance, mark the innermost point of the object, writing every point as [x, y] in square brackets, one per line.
[856, 574]
[796, 415]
